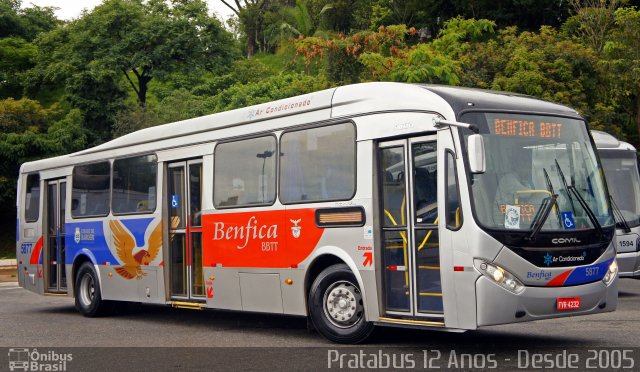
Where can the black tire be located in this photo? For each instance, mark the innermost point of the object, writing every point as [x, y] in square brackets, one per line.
[89, 300]
[336, 307]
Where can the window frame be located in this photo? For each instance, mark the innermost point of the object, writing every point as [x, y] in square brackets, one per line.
[108, 161]
[112, 161]
[26, 185]
[448, 152]
[276, 178]
[355, 162]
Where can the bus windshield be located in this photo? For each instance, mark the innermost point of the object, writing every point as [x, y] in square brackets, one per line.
[621, 172]
[533, 161]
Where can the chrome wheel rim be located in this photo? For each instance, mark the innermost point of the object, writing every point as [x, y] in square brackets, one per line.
[87, 290]
[342, 304]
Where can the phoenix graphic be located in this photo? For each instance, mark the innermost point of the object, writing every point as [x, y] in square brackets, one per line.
[125, 243]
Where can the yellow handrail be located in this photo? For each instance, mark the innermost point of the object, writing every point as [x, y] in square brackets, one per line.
[426, 238]
[404, 237]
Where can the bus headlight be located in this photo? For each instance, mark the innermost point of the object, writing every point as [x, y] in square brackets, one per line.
[501, 277]
[611, 274]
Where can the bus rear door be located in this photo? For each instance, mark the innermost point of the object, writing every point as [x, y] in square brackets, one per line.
[54, 237]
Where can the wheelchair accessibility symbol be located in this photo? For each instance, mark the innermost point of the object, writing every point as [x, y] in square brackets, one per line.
[174, 201]
[567, 220]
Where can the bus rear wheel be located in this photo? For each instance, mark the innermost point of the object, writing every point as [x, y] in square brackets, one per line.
[336, 306]
[89, 300]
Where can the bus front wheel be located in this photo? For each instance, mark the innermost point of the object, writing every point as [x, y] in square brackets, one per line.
[87, 292]
[336, 306]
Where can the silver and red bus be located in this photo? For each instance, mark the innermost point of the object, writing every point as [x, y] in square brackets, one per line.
[620, 164]
[370, 204]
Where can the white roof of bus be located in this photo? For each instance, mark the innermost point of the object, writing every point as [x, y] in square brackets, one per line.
[341, 101]
[605, 140]
[338, 102]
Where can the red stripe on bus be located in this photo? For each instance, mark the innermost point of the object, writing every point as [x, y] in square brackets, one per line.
[458, 268]
[560, 279]
[35, 254]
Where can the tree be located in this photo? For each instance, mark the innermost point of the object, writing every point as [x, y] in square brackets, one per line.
[595, 19]
[25, 23]
[345, 16]
[16, 56]
[297, 20]
[129, 43]
[140, 41]
[153, 39]
[250, 13]
[29, 131]
[548, 66]
[622, 65]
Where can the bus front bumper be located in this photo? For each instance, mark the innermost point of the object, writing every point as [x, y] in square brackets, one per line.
[496, 305]
[629, 264]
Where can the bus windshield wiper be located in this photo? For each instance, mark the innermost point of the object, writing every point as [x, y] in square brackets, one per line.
[620, 220]
[541, 216]
[587, 209]
[551, 192]
[564, 183]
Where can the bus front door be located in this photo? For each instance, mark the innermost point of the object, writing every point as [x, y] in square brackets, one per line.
[54, 258]
[184, 201]
[408, 179]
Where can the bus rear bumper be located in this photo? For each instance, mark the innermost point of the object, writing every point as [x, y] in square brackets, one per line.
[496, 305]
[629, 264]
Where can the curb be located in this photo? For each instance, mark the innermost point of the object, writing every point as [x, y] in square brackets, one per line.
[8, 263]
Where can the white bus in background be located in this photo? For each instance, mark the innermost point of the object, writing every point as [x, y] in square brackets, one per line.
[370, 204]
[620, 164]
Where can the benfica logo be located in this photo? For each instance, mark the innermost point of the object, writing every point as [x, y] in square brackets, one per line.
[295, 229]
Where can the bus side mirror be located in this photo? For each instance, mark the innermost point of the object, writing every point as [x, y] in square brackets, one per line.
[477, 161]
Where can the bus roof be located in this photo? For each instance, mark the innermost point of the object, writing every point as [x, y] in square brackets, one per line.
[345, 101]
[605, 140]
[463, 99]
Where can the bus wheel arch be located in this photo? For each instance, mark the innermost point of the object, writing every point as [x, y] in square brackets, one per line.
[322, 259]
[333, 289]
[80, 259]
[87, 288]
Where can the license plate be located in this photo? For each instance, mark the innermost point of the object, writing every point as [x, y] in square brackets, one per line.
[568, 303]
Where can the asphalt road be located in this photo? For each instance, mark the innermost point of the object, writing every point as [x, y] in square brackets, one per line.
[30, 320]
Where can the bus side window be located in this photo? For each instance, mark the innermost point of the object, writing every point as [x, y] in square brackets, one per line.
[32, 198]
[134, 184]
[453, 211]
[245, 172]
[318, 164]
[91, 184]
[425, 176]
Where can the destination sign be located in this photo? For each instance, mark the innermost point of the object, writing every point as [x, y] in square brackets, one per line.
[526, 128]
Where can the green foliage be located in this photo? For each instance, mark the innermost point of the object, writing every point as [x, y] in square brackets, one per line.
[424, 64]
[620, 69]
[242, 72]
[385, 55]
[25, 23]
[180, 104]
[341, 15]
[458, 33]
[16, 56]
[296, 21]
[275, 87]
[548, 66]
[124, 44]
[29, 132]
